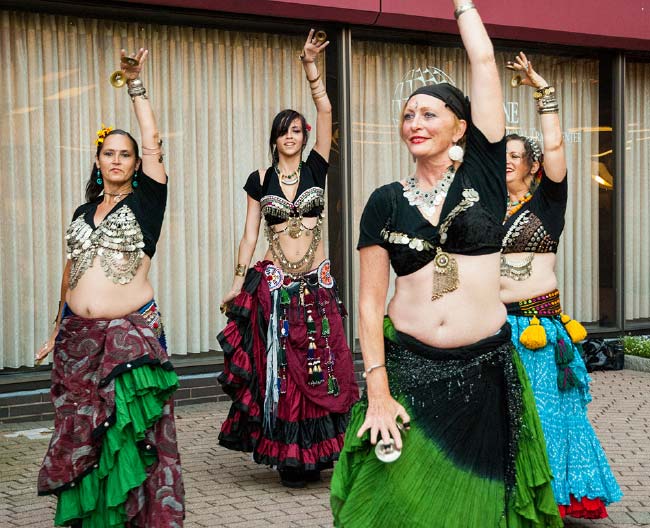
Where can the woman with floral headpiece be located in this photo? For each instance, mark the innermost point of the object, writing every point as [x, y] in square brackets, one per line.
[287, 365]
[447, 435]
[113, 460]
[546, 338]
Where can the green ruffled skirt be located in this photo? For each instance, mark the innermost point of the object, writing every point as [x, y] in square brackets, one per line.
[474, 456]
[99, 498]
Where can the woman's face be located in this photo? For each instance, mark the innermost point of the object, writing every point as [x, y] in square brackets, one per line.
[429, 127]
[117, 161]
[517, 168]
[292, 142]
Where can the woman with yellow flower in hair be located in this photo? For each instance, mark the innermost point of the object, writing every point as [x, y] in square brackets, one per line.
[545, 337]
[113, 460]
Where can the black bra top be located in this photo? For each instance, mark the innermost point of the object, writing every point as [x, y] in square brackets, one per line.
[470, 220]
[310, 195]
[538, 225]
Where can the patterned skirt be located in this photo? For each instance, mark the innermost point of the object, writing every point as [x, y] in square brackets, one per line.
[113, 459]
[288, 369]
[583, 481]
[473, 456]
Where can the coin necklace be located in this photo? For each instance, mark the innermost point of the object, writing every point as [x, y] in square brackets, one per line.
[428, 201]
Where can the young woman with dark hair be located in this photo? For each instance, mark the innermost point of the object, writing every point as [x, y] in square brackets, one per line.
[113, 457]
[287, 365]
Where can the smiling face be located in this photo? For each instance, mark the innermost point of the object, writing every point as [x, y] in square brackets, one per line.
[518, 168]
[293, 141]
[117, 160]
[429, 128]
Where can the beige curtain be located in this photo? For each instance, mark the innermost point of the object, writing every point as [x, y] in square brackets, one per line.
[636, 211]
[383, 76]
[214, 93]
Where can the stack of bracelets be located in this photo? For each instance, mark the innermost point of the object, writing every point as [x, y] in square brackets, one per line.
[546, 100]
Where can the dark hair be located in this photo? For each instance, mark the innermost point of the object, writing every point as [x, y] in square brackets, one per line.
[533, 153]
[280, 127]
[531, 148]
[94, 189]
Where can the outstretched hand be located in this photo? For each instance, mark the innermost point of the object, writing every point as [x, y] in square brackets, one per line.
[46, 348]
[132, 70]
[530, 77]
[312, 47]
[381, 420]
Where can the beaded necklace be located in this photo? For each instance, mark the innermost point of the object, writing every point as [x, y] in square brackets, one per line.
[288, 179]
[513, 207]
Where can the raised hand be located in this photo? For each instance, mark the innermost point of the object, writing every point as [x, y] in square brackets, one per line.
[312, 47]
[132, 65]
[530, 77]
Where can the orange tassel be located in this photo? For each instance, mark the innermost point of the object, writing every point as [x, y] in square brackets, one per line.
[576, 331]
[534, 336]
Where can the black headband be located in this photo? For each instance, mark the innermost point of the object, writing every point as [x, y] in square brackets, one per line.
[453, 98]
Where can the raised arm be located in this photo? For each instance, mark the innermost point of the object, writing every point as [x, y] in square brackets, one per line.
[485, 86]
[247, 247]
[373, 288]
[554, 156]
[152, 156]
[319, 94]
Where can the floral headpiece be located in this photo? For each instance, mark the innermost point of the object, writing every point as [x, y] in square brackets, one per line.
[101, 134]
[308, 127]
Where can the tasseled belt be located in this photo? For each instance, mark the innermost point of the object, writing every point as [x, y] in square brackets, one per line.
[534, 336]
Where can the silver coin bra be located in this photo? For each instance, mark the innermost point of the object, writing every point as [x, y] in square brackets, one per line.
[118, 242]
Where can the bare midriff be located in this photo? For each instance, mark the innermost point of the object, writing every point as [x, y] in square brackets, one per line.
[96, 296]
[295, 248]
[542, 278]
[468, 314]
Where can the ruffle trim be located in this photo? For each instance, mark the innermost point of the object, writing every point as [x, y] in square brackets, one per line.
[98, 497]
[585, 508]
[318, 456]
[533, 500]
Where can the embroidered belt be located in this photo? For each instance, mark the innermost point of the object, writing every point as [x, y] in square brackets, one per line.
[547, 305]
[276, 277]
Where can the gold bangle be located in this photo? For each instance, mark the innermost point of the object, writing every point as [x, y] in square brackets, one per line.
[543, 92]
[240, 270]
[313, 80]
[320, 96]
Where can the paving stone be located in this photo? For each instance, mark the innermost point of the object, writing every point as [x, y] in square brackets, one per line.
[227, 489]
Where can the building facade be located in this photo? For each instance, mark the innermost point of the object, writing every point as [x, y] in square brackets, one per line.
[217, 73]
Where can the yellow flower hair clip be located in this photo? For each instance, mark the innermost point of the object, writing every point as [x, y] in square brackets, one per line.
[101, 134]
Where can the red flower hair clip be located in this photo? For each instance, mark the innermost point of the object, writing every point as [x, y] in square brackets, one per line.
[308, 127]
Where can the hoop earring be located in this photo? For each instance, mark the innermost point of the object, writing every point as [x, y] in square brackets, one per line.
[99, 179]
[456, 153]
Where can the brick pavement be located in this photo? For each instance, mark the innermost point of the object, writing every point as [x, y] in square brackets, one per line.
[226, 489]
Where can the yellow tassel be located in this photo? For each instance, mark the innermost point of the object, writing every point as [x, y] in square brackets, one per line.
[576, 331]
[534, 336]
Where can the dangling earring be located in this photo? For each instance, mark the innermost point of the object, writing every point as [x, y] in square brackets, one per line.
[134, 181]
[99, 179]
[456, 153]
